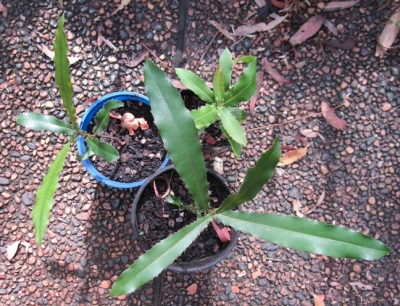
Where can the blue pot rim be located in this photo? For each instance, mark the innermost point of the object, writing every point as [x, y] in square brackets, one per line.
[84, 124]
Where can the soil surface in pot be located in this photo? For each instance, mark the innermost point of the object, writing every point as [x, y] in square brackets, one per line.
[140, 156]
[212, 135]
[157, 219]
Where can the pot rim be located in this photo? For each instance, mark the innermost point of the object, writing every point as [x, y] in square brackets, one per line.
[191, 266]
[84, 124]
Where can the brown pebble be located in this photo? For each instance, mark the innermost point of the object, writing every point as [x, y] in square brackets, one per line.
[105, 284]
[386, 107]
[357, 268]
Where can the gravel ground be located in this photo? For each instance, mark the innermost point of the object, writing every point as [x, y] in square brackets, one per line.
[89, 240]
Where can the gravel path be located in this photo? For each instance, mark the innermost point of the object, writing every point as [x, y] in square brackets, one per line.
[89, 240]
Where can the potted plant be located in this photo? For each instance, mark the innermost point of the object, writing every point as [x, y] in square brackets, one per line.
[179, 133]
[89, 143]
[220, 102]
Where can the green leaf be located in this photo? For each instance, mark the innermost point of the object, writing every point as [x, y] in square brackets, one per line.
[40, 122]
[231, 126]
[226, 63]
[174, 201]
[218, 84]
[179, 133]
[204, 116]
[45, 194]
[306, 235]
[195, 84]
[255, 178]
[102, 149]
[239, 114]
[88, 154]
[150, 264]
[62, 75]
[103, 115]
[236, 147]
[245, 87]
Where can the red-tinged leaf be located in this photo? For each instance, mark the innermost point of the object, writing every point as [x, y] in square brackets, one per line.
[331, 117]
[289, 157]
[319, 300]
[337, 5]
[389, 34]
[3, 9]
[307, 30]
[133, 62]
[273, 72]
[12, 250]
[259, 27]
[279, 4]
[223, 31]
[253, 100]
[309, 133]
[192, 289]
[347, 44]
[223, 233]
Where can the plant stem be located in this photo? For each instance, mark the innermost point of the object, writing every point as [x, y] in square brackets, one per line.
[85, 134]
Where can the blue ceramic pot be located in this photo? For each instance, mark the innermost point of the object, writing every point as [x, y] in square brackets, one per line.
[85, 122]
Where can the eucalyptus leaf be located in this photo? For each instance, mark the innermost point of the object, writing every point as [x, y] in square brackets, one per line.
[45, 194]
[40, 122]
[102, 149]
[204, 116]
[232, 126]
[103, 115]
[151, 263]
[306, 235]
[195, 84]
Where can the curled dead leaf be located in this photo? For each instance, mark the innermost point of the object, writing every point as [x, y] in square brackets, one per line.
[12, 249]
[253, 100]
[130, 123]
[331, 117]
[137, 60]
[297, 208]
[337, 5]
[307, 30]
[72, 60]
[389, 34]
[223, 233]
[273, 72]
[293, 154]
[259, 27]
[220, 28]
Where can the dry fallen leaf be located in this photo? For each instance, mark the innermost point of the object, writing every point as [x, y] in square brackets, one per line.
[259, 27]
[297, 208]
[337, 5]
[222, 30]
[389, 34]
[307, 30]
[253, 100]
[223, 233]
[309, 133]
[121, 6]
[72, 60]
[12, 250]
[3, 9]
[61, 3]
[130, 123]
[360, 286]
[273, 72]
[331, 27]
[331, 117]
[319, 202]
[192, 289]
[260, 3]
[319, 300]
[294, 154]
[137, 60]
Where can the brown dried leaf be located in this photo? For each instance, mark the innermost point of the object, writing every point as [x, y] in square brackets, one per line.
[12, 250]
[223, 233]
[3, 10]
[331, 27]
[72, 60]
[259, 27]
[273, 72]
[389, 34]
[253, 100]
[331, 117]
[220, 28]
[309, 133]
[121, 6]
[192, 289]
[292, 156]
[337, 5]
[61, 3]
[319, 202]
[319, 300]
[307, 30]
[137, 60]
[297, 208]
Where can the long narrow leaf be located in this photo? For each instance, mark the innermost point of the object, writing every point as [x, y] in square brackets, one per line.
[45, 194]
[204, 116]
[236, 147]
[232, 126]
[218, 83]
[306, 235]
[40, 122]
[62, 75]
[103, 115]
[246, 85]
[226, 63]
[255, 178]
[102, 149]
[195, 84]
[150, 264]
[178, 131]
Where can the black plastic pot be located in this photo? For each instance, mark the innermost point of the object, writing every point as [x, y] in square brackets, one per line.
[196, 265]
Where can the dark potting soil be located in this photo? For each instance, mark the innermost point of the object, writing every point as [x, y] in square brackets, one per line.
[212, 135]
[140, 156]
[157, 219]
